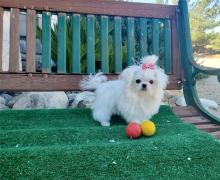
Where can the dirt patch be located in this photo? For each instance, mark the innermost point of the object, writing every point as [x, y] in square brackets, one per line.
[209, 60]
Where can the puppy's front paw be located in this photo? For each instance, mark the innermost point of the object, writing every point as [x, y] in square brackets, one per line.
[105, 123]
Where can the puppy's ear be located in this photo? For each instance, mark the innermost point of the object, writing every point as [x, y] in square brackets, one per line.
[162, 78]
[128, 73]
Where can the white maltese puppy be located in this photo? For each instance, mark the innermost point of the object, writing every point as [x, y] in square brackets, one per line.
[136, 95]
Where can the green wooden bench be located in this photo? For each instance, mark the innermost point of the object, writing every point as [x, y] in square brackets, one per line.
[174, 49]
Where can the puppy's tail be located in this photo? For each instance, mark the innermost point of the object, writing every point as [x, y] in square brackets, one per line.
[92, 81]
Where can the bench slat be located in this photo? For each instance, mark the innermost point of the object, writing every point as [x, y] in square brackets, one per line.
[216, 134]
[143, 36]
[190, 115]
[104, 44]
[130, 41]
[155, 31]
[46, 42]
[90, 43]
[41, 82]
[1, 36]
[76, 65]
[31, 33]
[195, 120]
[46, 82]
[117, 44]
[14, 41]
[187, 111]
[167, 48]
[208, 127]
[91, 22]
[61, 43]
[175, 48]
[103, 7]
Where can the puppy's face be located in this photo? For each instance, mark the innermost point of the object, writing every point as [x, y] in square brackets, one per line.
[144, 81]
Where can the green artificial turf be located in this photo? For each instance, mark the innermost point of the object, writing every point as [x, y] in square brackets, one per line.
[69, 144]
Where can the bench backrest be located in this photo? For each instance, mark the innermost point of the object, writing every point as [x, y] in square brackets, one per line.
[106, 35]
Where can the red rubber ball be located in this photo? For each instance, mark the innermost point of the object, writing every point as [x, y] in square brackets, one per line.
[133, 130]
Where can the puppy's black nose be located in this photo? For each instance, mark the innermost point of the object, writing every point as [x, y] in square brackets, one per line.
[144, 86]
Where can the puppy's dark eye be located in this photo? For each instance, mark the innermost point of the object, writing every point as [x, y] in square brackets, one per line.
[151, 81]
[138, 81]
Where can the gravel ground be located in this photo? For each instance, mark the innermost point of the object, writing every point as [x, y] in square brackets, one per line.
[209, 88]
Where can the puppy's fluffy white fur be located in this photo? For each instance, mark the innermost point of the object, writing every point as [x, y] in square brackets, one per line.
[136, 95]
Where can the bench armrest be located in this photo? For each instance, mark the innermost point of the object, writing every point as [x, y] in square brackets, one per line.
[189, 67]
[183, 9]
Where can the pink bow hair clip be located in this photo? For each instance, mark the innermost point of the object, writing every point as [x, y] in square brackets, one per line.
[148, 66]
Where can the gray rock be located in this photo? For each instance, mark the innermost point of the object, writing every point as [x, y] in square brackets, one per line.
[206, 103]
[169, 98]
[38, 100]
[38, 47]
[7, 97]
[13, 100]
[38, 56]
[3, 107]
[23, 47]
[38, 62]
[2, 100]
[180, 101]
[209, 104]
[83, 99]
[71, 97]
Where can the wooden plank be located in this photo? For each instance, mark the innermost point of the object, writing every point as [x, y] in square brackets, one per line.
[208, 127]
[130, 41]
[104, 44]
[143, 36]
[155, 35]
[117, 8]
[90, 43]
[31, 33]
[14, 41]
[117, 44]
[195, 120]
[190, 115]
[187, 111]
[61, 43]
[46, 42]
[168, 66]
[42, 82]
[1, 36]
[76, 65]
[216, 134]
[175, 49]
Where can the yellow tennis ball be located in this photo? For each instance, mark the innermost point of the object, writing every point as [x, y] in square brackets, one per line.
[148, 128]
